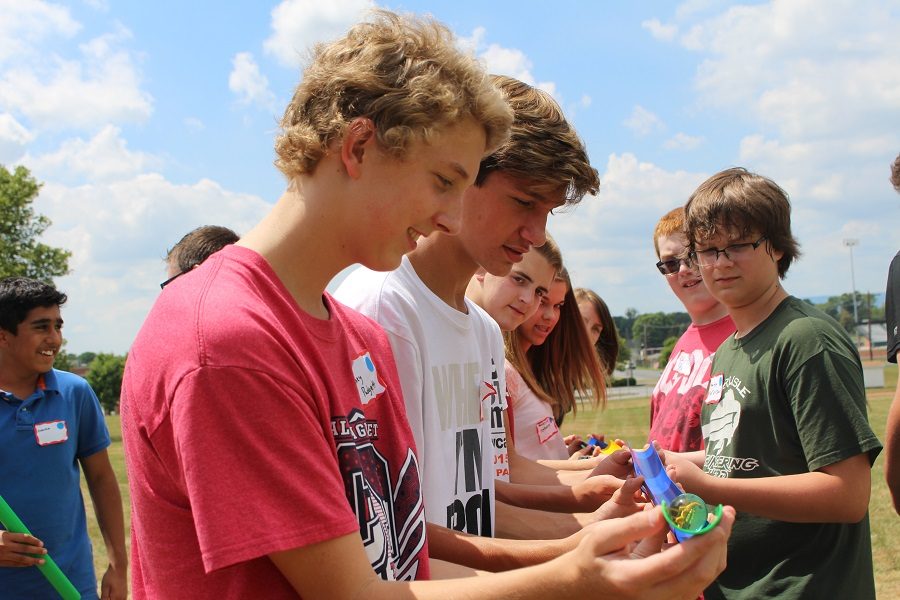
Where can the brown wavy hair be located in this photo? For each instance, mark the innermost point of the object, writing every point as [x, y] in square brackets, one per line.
[542, 147]
[402, 72]
[738, 201]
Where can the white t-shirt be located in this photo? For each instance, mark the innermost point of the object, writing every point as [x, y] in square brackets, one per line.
[534, 428]
[451, 374]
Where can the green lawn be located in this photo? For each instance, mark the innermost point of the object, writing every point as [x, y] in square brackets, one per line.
[628, 420]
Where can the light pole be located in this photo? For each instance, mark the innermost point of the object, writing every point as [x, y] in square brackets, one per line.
[850, 242]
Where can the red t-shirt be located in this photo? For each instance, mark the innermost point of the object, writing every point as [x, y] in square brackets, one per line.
[251, 427]
[678, 396]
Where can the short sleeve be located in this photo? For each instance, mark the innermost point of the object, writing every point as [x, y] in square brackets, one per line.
[93, 435]
[829, 404]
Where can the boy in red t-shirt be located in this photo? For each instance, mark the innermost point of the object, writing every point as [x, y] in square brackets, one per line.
[677, 398]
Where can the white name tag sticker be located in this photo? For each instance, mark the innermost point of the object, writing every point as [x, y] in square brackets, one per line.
[546, 429]
[714, 392]
[683, 364]
[51, 432]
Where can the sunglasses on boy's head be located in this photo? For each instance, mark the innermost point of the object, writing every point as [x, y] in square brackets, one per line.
[671, 266]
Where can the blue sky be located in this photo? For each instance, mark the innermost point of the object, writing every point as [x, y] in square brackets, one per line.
[146, 119]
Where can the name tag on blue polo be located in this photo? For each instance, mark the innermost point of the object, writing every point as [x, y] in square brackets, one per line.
[51, 432]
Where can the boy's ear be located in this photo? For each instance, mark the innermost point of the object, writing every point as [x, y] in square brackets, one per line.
[479, 274]
[360, 131]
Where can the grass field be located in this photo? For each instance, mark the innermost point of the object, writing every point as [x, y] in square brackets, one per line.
[628, 419]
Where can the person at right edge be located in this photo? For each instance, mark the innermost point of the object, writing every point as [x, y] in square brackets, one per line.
[892, 316]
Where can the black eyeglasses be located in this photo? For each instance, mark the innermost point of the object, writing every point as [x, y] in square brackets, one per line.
[171, 279]
[672, 266]
[735, 252]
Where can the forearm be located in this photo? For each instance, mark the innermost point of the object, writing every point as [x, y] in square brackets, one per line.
[110, 518]
[339, 569]
[584, 464]
[525, 470]
[816, 497]
[491, 554]
[517, 523]
[555, 498]
[892, 449]
[697, 457]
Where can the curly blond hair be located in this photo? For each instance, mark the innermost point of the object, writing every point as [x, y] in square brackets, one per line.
[402, 72]
[543, 147]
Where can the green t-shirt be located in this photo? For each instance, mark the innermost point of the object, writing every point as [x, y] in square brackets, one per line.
[789, 398]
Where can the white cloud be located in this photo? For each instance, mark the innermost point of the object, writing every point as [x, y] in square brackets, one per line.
[246, 81]
[117, 259]
[298, 24]
[13, 138]
[607, 240]
[643, 122]
[808, 69]
[511, 62]
[585, 101]
[193, 124]
[24, 24]
[472, 43]
[683, 141]
[102, 86]
[659, 31]
[104, 157]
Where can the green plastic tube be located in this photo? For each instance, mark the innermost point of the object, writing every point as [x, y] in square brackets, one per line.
[50, 569]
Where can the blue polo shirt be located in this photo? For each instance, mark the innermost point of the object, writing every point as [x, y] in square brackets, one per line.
[41, 440]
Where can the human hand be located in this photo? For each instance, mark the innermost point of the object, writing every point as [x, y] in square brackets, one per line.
[619, 558]
[625, 501]
[617, 464]
[575, 446]
[686, 475]
[15, 548]
[114, 585]
[595, 490]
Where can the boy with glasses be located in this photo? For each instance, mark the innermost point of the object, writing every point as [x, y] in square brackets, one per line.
[787, 437]
[678, 396]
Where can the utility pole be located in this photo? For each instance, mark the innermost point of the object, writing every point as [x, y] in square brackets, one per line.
[850, 242]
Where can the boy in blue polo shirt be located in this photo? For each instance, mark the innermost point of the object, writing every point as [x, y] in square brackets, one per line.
[49, 422]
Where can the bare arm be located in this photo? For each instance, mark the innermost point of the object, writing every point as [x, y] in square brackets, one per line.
[892, 449]
[496, 554]
[523, 523]
[568, 472]
[837, 493]
[601, 565]
[104, 489]
[584, 496]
